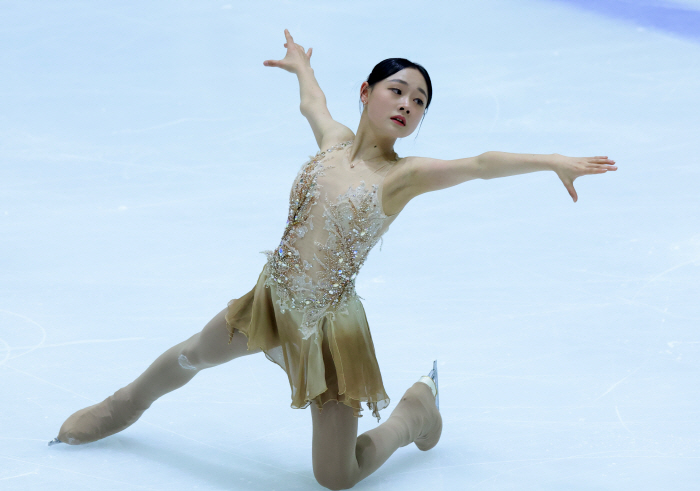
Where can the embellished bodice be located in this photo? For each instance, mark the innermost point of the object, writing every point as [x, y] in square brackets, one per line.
[335, 218]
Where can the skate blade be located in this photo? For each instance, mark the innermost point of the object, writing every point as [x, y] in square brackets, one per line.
[434, 375]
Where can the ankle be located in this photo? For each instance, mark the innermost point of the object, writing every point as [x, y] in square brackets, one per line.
[429, 382]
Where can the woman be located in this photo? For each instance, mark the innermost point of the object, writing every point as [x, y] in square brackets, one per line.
[304, 312]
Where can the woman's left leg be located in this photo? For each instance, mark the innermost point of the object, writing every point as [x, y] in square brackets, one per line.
[170, 371]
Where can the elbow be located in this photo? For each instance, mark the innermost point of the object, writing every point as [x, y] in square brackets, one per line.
[482, 166]
[305, 109]
[312, 104]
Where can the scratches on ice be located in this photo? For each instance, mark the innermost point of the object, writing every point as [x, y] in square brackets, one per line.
[613, 386]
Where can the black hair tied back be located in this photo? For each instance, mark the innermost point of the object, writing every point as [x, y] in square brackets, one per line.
[386, 68]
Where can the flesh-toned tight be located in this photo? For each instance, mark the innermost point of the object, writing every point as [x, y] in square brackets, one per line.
[340, 457]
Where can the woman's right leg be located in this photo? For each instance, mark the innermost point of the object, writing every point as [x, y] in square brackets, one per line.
[341, 459]
[168, 372]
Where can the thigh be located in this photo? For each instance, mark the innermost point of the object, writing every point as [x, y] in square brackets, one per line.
[211, 346]
[334, 435]
[333, 445]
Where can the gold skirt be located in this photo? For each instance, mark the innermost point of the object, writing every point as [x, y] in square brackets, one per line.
[337, 363]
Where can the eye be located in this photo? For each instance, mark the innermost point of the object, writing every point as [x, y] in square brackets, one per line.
[398, 91]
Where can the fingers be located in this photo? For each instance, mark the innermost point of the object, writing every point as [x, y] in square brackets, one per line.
[572, 192]
[599, 165]
[291, 59]
[600, 160]
[599, 168]
[290, 42]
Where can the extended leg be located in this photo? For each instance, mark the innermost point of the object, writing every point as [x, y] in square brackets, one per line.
[168, 372]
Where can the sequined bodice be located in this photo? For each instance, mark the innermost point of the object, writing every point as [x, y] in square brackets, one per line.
[335, 218]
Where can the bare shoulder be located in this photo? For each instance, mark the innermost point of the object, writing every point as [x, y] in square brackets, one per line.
[399, 185]
[327, 131]
[334, 134]
[415, 174]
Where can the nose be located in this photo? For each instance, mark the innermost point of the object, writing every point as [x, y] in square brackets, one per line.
[407, 110]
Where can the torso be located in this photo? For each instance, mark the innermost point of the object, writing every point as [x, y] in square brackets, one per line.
[337, 214]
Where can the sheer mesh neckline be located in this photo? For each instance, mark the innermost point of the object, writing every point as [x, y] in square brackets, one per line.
[347, 144]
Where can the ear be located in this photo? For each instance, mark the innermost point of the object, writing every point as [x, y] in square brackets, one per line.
[365, 89]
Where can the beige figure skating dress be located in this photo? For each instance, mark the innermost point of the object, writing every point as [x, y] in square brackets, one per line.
[304, 312]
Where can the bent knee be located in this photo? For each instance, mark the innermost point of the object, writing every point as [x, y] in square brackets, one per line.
[335, 480]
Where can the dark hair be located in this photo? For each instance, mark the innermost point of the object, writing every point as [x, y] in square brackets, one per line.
[385, 69]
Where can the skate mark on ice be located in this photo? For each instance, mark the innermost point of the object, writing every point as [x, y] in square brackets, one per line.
[663, 273]
[658, 309]
[623, 423]
[612, 387]
[83, 341]
[223, 450]
[42, 440]
[8, 349]
[32, 348]
[535, 462]
[530, 462]
[19, 475]
[92, 401]
[128, 485]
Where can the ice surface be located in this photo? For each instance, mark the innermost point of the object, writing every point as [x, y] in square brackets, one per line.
[146, 157]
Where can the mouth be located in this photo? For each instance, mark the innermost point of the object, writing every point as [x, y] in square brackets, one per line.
[399, 120]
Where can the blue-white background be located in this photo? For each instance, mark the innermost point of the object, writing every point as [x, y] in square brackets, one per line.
[146, 157]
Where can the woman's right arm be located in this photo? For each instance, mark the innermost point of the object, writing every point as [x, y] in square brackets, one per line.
[327, 131]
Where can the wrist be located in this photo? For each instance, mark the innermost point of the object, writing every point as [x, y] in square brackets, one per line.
[305, 71]
[553, 160]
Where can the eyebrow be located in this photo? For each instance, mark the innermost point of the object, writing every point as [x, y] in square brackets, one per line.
[406, 83]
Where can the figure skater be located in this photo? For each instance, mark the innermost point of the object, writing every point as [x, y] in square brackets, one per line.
[303, 313]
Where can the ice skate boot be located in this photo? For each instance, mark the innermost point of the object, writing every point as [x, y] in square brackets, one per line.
[93, 423]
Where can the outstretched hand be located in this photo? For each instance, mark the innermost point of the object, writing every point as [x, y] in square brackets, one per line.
[569, 168]
[295, 59]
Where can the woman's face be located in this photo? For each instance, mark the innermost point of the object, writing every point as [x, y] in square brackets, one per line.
[397, 103]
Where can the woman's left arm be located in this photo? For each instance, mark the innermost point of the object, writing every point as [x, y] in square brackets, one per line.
[432, 174]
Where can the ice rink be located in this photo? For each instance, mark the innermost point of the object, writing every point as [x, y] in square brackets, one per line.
[146, 156]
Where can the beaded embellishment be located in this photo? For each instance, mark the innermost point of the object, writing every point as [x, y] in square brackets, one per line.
[354, 222]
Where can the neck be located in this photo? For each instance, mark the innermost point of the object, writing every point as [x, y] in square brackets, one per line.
[369, 145]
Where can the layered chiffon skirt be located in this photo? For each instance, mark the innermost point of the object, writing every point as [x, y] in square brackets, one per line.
[336, 363]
